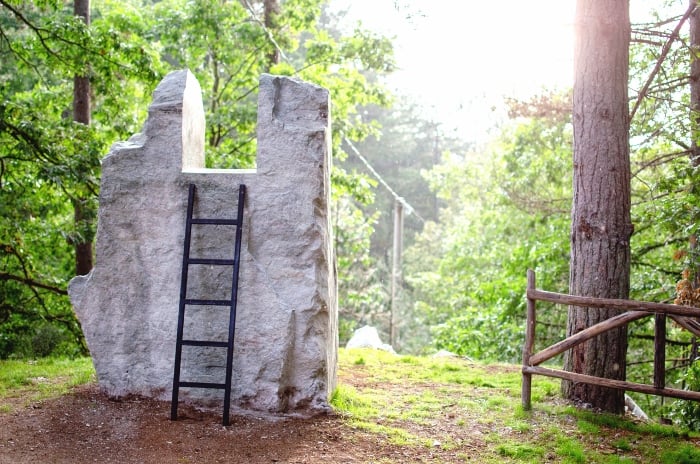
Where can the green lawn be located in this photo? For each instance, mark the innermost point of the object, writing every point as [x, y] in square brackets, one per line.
[25, 381]
[476, 408]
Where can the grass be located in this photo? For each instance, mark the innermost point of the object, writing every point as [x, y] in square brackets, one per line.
[444, 400]
[26, 381]
[449, 409]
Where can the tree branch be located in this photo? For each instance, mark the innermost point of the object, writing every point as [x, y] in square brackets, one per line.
[44, 34]
[267, 31]
[21, 135]
[664, 53]
[32, 283]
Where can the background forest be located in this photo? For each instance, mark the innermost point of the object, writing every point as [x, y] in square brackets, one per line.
[477, 215]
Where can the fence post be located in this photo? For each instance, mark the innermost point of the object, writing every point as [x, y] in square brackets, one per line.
[660, 351]
[526, 393]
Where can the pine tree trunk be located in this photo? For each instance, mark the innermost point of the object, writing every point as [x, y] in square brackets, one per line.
[81, 114]
[694, 120]
[695, 84]
[601, 224]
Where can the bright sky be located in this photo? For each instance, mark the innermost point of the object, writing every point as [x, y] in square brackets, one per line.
[460, 58]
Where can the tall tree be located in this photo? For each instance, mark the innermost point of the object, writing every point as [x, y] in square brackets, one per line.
[694, 115]
[695, 82]
[48, 160]
[81, 114]
[601, 224]
[272, 10]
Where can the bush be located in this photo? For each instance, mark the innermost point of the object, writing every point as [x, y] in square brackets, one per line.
[686, 412]
[19, 339]
[46, 339]
[480, 336]
[15, 334]
[687, 454]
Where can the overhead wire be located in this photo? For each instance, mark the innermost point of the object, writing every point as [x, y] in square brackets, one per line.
[409, 209]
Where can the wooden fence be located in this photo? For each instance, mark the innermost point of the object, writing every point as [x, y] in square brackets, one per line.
[687, 317]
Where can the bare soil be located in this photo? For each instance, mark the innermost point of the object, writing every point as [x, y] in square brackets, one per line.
[85, 426]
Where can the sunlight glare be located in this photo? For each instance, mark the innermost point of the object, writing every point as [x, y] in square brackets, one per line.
[455, 56]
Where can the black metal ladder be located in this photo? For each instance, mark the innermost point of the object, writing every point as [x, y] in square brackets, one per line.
[184, 302]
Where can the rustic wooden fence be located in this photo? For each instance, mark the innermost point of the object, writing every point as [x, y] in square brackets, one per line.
[687, 317]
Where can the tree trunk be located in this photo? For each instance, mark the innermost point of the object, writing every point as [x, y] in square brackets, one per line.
[601, 225]
[272, 10]
[695, 84]
[694, 122]
[81, 114]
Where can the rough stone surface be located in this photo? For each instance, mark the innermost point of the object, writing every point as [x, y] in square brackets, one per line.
[286, 334]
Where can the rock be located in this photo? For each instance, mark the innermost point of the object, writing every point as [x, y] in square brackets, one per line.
[633, 408]
[444, 354]
[285, 350]
[368, 337]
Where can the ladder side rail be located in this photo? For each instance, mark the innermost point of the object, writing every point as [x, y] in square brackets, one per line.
[183, 295]
[234, 302]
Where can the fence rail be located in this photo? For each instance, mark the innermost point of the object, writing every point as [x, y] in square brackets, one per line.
[634, 310]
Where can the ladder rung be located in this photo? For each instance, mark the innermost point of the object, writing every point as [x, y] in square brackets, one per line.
[208, 302]
[220, 222]
[216, 262]
[205, 343]
[220, 386]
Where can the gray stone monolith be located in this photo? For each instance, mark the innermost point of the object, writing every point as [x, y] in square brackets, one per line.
[286, 334]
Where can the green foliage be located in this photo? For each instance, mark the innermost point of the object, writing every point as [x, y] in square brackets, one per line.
[586, 427]
[361, 293]
[622, 423]
[45, 340]
[664, 183]
[571, 450]
[477, 335]
[404, 145]
[622, 444]
[50, 164]
[506, 208]
[686, 454]
[685, 412]
[468, 271]
[198, 35]
[665, 200]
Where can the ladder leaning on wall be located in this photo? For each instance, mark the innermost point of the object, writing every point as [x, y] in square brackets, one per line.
[184, 302]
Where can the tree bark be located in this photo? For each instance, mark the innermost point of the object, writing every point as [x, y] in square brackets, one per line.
[272, 10]
[81, 114]
[694, 81]
[601, 224]
[694, 21]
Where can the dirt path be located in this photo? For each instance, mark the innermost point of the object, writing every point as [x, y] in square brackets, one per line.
[85, 427]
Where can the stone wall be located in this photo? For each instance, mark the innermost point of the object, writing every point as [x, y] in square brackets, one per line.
[286, 333]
